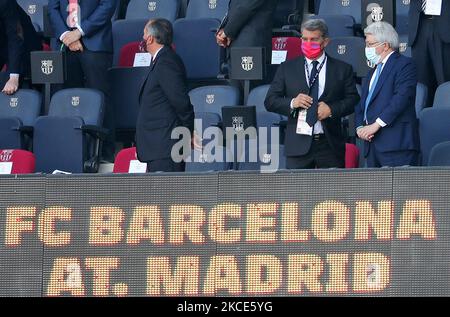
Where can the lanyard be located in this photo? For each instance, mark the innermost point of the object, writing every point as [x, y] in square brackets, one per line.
[310, 84]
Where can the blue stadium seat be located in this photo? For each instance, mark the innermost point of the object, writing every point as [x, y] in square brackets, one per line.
[124, 32]
[214, 157]
[434, 129]
[213, 98]
[267, 119]
[195, 42]
[207, 119]
[261, 158]
[35, 9]
[442, 96]
[17, 115]
[421, 98]
[257, 96]
[338, 25]
[215, 9]
[404, 48]
[440, 155]
[68, 138]
[144, 9]
[402, 10]
[349, 7]
[284, 11]
[350, 50]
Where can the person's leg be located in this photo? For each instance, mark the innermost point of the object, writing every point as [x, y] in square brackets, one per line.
[372, 158]
[300, 162]
[324, 156]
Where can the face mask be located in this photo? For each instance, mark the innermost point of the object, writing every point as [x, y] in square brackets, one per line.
[372, 56]
[311, 50]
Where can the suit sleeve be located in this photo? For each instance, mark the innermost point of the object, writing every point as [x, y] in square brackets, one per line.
[276, 100]
[239, 16]
[15, 38]
[101, 15]
[172, 80]
[405, 89]
[58, 23]
[346, 106]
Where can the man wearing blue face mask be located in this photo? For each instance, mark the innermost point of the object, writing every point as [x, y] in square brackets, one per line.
[385, 117]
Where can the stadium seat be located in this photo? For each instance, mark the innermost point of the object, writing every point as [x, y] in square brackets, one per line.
[207, 119]
[401, 21]
[261, 158]
[442, 96]
[440, 155]
[213, 157]
[215, 9]
[404, 48]
[434, 128]
[290, 44]
[124, 32]
[421, 98]
[16, 162]
[338, 25]
[213, 98]
[127, 54]
[35, 10]
[68, 138]
[124, 159]
[350, 50]
[17, 115]
[195, 42]
[257, 96]
[349, 7]
[351, 156]
[287, 12]
[144, 9]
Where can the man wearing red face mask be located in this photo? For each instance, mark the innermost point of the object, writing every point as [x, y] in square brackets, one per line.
[315, 92]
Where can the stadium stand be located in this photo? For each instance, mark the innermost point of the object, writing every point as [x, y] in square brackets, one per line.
[35, 10]
[143, 9]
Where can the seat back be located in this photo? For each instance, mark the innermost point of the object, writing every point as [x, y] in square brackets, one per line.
[142, 9]
[213, 98]
[349, 7]
[404, 48]
[338, 25]
[215, 9]
[123, 160]
[421, 98]
[401, 20]
[213, 157]
[195, 43]
[263, 157]
[440, 154]
[85, 103]
[25, 104]
[127, 54]
[257, 96]
[351, 156]
[23, 162]
[35, 10]
[124, 32]
[434, 129]
[442, 96]
[290, 44]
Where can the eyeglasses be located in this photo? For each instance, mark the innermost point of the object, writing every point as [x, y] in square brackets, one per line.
[374, 44]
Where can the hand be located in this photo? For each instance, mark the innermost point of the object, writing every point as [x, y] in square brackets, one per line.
[76, 46]
[323, 111]
[71, 37]
[302, 101]
[222, 39]
[196, 141]
[11, 86]
[367, 133]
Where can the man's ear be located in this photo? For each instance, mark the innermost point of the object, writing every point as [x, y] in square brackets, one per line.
[326, 42]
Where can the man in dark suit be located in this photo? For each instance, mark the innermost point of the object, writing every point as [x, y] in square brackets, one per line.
[429, 38]
[248, 23]
[84, 27]
[314, 93]
[17, 39]
[386, 117]
[164, 101]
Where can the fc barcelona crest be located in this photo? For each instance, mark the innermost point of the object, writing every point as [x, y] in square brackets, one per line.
[5, 155]
[151, 6]
[75, 101]
[210, 99]
[406, 2]
[341, 49]
[403, 47]
[31, 9]
[377, 14]
[345, 3]
[238, 123]
[14, 102]
[266, 158]
[47, 67]
[281, 43]
[212, 4]
[247, 63]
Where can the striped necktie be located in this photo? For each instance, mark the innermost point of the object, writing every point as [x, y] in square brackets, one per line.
[372, 89]
[424, 5]
[73, 19]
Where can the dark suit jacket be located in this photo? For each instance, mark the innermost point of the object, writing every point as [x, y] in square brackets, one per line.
[164, 105]
[95, 22]
[250, 23]
[340, 94]
[441, 23]
[17, 37]
[393, 102]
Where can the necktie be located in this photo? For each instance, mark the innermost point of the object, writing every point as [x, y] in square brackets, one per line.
[311, 115]
[424, 5]
[72, 19]
[372, 89]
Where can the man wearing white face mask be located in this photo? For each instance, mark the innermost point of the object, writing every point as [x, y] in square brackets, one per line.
[385, 117]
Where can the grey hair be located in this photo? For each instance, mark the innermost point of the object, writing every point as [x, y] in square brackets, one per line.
[316, 25]
[384, 33]
[162, 30]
